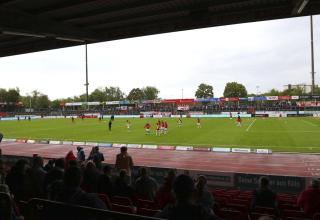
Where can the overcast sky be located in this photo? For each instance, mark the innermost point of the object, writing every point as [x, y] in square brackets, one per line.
[261, 56]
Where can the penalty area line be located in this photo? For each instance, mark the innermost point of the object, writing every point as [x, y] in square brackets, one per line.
[248, 128]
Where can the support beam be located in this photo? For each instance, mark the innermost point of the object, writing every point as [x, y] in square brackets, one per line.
[14, 22]
[87, 82]
[299, 7]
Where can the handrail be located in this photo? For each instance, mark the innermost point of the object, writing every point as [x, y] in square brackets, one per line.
[40, 209]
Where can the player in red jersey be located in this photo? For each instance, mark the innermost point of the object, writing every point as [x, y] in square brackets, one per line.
[147, 128]
[165, 127]
[239, 121]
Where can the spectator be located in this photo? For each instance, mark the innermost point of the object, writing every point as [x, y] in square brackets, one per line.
[202, 196]
[145, 185]
[122, 187]
[309, 199]
[74, 195]
[54, 179]
[165, 196]
[70, 156]
[7, 209]
[81, 157]
[184, 208]
[3, 173]
[90, 178]
[97, 157]
[124, 161]
[49, 165]
[1, 136]
[105, 184]
[18, 180]
[264, 196]
[38, 175]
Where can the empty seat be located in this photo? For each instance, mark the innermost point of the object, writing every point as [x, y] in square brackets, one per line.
[316, 216]
[105, 198]
[123, 209]
[265, 210]
[121, 200]
[141, 203]
[256, 215]
[286, 206]
[294, 214]
[231, 214]
[291, 218]
[147, 212]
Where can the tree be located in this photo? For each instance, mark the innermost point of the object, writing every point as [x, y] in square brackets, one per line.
[150, 92]
[42, 102]
[135, 94]
[3, 95]
[234, 89]
[272, 92]
[98, 95]
[13, 96]
[55, 104]
[114, 94]
[204, 91]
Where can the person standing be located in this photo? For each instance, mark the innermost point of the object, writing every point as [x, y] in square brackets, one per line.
[81, 157]
[198, 123]
[97, 158]
[110, 124]
[124, 161]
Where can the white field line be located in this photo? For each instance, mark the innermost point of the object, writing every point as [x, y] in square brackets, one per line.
[248, 128]
[309, 123]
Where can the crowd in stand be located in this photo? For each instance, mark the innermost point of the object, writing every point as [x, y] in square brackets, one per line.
[172, 108]
[81, 181]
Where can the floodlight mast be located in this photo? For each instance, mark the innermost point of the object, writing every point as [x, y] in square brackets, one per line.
[87, 83]
[312, 56]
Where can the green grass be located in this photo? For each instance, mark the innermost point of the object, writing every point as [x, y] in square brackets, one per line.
[278, 134]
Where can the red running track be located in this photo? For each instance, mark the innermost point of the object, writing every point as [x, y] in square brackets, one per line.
[302, 165]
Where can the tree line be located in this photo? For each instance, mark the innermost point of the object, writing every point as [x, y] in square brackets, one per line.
[39, 100]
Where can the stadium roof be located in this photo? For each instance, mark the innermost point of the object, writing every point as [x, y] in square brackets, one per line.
[36, 25]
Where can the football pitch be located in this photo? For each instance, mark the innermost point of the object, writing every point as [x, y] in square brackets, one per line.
[278, 134]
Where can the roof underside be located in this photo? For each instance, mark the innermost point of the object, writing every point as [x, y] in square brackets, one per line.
[36, 25]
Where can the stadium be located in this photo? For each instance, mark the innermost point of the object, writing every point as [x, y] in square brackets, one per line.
[107, 155]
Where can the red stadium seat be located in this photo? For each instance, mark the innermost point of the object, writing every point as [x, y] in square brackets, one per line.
[286, 206]
[291, 218]
[237, 207]
[105, 198]
[316, 216]
[147, 212]
[294, 214]
[265, 210]
[121, 200]
[256, 216]
[241, 202]
[147, 204]
[123, 209]
[231, 215]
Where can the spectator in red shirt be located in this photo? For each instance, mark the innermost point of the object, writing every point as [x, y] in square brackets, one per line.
[70, 156]
[309, 199]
